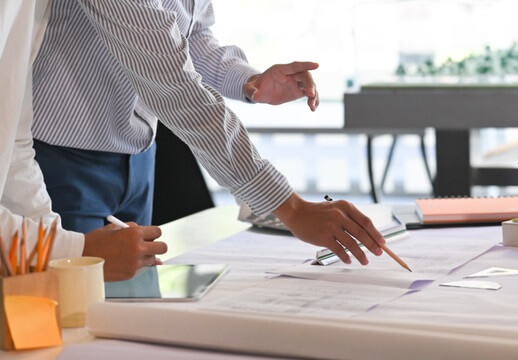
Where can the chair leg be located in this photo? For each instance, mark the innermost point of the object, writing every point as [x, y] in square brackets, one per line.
[426, 164]
[389, 161]
[374, 189]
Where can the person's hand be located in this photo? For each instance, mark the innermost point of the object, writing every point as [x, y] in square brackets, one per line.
[333, 225]
[124, 250]
[282, 83]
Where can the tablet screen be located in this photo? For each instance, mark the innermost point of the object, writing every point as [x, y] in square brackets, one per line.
[176, 282]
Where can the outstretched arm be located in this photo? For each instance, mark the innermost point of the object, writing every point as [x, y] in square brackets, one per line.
[282, 83]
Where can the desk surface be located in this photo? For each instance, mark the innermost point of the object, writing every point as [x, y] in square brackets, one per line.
[181, 236]
[410, 307]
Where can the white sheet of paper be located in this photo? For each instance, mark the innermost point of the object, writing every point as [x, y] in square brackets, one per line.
[429, 253]
[302, 297]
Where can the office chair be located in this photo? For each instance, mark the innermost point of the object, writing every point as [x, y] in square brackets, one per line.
[377, 190]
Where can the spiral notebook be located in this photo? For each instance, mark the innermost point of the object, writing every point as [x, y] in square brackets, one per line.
[467, 210]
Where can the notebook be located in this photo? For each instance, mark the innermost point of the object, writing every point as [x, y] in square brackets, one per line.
[467, 210]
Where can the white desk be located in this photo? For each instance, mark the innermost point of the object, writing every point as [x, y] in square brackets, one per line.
[181, 236]
[452, 306]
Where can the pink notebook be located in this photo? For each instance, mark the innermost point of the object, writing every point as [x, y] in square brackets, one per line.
[467, 210]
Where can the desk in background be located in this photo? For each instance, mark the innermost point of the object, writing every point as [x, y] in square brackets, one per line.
[452, 110]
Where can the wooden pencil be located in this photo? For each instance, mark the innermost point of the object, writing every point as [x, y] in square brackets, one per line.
[13, 253]
[6, 266]
[39, 247]
[23, 249]
[49, 244]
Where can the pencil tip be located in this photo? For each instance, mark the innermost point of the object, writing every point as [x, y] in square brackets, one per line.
[409, 270]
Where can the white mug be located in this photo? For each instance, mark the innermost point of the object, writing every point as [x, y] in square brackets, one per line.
[81, 284]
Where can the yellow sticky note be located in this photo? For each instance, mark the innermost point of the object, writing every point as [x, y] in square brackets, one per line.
[32, 321]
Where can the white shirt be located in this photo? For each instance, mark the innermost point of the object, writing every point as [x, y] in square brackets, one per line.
[22, 190]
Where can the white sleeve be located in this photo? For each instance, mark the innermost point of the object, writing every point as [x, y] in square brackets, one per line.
[22, 190]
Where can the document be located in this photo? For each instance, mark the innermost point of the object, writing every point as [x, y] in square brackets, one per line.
[311, 298]
[430, 253]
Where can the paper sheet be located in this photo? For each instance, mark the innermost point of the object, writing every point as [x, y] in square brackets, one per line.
[301, 297]
[430, 254]
[32, 321]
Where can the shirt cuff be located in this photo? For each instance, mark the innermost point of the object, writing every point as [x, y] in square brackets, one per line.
[235, 78]
[265, 192]
[68, 244]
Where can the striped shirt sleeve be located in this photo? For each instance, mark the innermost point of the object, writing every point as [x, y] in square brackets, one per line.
[146, 40]
[225, 68]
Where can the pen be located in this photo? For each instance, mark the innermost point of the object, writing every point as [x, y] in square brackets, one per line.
[119, 223]
[116, 221]
[384, 247]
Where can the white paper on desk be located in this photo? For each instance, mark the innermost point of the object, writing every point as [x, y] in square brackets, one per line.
[430, 253]
[296, 337]
[302, 297]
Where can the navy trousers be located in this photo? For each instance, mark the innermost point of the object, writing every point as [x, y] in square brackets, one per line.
[86, 186]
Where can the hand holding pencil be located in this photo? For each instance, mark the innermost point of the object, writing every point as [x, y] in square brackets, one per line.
[336, 225]
[384, 247]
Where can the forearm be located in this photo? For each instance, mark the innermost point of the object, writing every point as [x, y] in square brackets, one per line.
[148, 43]
[225, 68]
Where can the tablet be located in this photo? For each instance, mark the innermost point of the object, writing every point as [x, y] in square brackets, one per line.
[178, 282]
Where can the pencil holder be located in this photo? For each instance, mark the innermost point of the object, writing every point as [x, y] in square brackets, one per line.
[29, 316]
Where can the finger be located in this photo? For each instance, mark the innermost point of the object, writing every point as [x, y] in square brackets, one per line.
[158, 261]
[339, 251]
[358, 232]
[154, 248]
[305, 82]
[149, 260]
[150, 233]
[296, 67]
[131, 224]
[313, 102]
[362, 227]
[350, 243]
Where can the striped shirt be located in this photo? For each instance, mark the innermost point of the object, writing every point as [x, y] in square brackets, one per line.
[108, 69]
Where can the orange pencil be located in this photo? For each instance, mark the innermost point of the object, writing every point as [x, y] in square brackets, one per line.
[39, 247]
[13, 258]
[23, 249]
[7, 269]
[49, 243]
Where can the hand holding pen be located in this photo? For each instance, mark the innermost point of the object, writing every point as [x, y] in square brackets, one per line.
[125, 248]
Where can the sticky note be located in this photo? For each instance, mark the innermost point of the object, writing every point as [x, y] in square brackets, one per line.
[32, 321]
